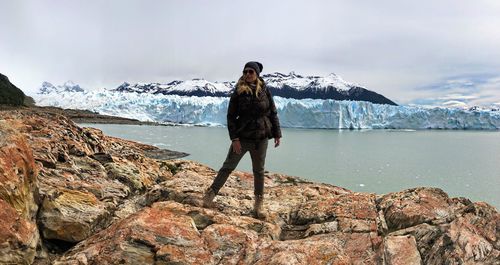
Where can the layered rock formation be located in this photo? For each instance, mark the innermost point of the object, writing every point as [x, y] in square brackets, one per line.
[71, 195]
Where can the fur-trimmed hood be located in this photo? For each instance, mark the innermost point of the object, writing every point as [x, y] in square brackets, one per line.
[243, 87]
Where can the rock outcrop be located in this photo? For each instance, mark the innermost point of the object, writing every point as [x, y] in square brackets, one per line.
[19, 235]
[71, 195]
[10, 94]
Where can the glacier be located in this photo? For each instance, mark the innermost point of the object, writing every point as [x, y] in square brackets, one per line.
[293, 113]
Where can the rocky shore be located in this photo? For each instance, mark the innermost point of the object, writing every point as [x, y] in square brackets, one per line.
[71, 195]
[81, 116]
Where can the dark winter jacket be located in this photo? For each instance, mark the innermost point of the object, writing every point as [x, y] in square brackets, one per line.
[252, 117]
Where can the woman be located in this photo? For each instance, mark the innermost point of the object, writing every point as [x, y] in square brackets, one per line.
[251, 120]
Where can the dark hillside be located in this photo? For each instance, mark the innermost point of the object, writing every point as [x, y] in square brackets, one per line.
[9, 93]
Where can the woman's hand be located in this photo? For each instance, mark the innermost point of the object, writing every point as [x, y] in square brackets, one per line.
[236, 146]
[277, 142]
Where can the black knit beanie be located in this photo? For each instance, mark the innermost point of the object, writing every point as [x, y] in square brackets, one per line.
[256, 66]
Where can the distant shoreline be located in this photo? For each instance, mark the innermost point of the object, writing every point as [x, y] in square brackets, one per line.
[85, 116]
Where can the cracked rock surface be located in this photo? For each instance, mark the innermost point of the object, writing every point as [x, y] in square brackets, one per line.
[71, 195]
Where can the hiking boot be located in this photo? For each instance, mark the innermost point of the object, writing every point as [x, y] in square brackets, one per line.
[258, 207]
[208, 198]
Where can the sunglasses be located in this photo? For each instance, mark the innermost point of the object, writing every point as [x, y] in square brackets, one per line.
[250, 72]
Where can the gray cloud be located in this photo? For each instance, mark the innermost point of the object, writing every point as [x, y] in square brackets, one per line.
[404, 50]
[466, 91]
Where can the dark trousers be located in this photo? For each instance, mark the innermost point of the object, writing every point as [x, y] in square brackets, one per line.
[257, 151]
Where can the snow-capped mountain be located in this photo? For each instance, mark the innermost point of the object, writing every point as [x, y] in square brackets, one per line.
[302, 101]
[305, 113]
[194, 87]
[69, 86]
[290, 85]
[300, 82]
[331, 86]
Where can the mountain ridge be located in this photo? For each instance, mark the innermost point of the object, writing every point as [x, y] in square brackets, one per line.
[290, 85]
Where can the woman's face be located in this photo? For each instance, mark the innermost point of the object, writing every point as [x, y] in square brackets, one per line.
[250, 75]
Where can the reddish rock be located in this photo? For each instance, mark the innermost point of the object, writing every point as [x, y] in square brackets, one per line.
[18, 181]
[18, 197]
[415, 206]
[156, 234]
[472, 238]
[314, 250]
[87, 181]
[355, 206]
[425, 236]
[63, 152]
[170, 232]
[401, 250]
[230, 244]
[18, 237]
[72, 215]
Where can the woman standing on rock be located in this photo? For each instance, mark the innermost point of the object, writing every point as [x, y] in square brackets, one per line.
[252, 119]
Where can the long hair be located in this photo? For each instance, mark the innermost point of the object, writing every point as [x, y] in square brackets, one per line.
[243, 87]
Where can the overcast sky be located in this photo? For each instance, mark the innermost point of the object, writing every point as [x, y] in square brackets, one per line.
[440, 52]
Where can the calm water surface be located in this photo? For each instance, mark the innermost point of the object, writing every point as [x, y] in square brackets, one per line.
[463, 163]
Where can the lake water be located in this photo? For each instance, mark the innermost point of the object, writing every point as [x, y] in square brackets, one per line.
[462, 163]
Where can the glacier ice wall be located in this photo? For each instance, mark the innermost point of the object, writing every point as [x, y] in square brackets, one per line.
[305, 113]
